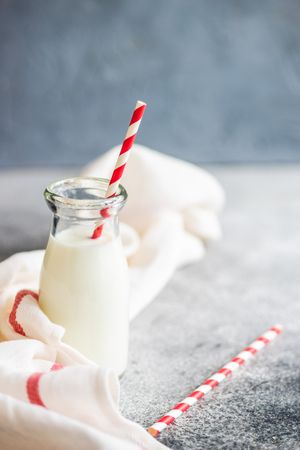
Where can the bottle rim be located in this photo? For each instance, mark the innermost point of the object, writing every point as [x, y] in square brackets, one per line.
[64, 193]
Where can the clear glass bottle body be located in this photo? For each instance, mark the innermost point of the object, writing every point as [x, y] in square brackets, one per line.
[84, 281]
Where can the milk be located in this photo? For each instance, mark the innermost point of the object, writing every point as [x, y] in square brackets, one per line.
[84, 288]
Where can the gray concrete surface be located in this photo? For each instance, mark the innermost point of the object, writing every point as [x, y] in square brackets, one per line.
[207, 313]
[222, 78]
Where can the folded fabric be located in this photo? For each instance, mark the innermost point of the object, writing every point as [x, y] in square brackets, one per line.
[172, 211]
[81, 398]
[51, 396]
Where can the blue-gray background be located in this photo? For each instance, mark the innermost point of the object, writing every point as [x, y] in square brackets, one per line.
[222, 78]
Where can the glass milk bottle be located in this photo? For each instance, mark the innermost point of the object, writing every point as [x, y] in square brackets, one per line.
[84, 281]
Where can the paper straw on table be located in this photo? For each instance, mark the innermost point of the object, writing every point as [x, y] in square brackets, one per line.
[123, 156]
[214, 380]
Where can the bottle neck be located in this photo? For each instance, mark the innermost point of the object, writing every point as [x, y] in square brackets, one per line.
[80, 206]
[84, 227]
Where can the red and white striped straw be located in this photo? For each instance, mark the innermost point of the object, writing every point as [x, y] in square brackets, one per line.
[123, 157]
[126, 148]
[214, 380]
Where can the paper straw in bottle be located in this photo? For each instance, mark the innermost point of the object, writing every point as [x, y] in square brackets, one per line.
[123, 157]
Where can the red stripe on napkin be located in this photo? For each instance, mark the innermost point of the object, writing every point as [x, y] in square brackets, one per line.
[33, 390]
[56, 366]
[13, 314]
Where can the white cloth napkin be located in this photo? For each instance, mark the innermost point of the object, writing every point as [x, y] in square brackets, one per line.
[52, 397]
[80, 398]
[171, 213]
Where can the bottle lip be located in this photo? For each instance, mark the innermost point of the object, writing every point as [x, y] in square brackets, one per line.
[64, 193]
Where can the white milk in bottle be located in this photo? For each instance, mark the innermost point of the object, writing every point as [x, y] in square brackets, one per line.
[84, 281]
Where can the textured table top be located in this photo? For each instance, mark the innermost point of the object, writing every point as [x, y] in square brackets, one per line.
[207, 313]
